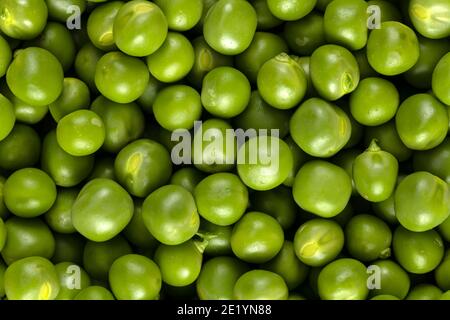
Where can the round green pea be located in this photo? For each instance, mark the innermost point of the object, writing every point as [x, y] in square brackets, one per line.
[440, 80]
[136, 232]
[2, 234]
[434, 161]
[103, 168]
[68, 247]
[305, 35]
[2, 279]
[61, 10]
[94, 293]
[85, 64]
[75, 96]
[59, 217]
[187, 177]
[5, 56]
[72, 279]
[289, 10]
[260, 285]
[100, 25]
[442, 275]
[424, 291]
[428, 17]
[181, 15]
[218, 238]
[266, 20]
[7, 115]
[299, 158]
[393, 280]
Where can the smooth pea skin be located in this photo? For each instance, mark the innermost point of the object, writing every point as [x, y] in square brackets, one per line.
[136, 232]
[173, 60]
[180, 264]
[35, 76]
[290, 10]
[422, 201]
[334, 71]
[181, 15]
[225, 92]
[135, 277]
[121, 78]
[5, 56]
[100, 25]
[441, 79]
[33, 278]
[315, 188]
[59, 9]
[94, 293]
[187, 177]
[430, 18]
[59, 217]
[2, 279]
[271, 166]
[318, 241]
[266, 20]
[218, 277]
[229, 26]
[75, 96]
[257, 238]
[393, 279]
[434, 161]
[282, 82]
[177, 107]
[218, 238]
[442, 275]
[320, 128]
[392, 49]
[260, 285]
[142, 166]
[2, 234]
[85, 63]
[424, 291]
[23, 20]
[221, 198]
[7, 115]
[343, 279]
[80, 133]
[140, 28]
[69, 284]
[102, 210]
[418, 252]
[345, 23]
[68, 247]
[170, 214]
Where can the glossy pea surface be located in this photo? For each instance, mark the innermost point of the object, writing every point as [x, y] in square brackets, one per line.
[260, 285]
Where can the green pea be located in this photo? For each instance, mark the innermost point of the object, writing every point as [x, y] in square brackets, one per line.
[135, 277]
[121, 78]
[444, 229]
[334, 71]
[305, 35]
[8, 117]
[434, 161]
[59, 217]
[180, 264]
[2, 234]
[320, 128]
[299, 157]
[123, 122]
[257, 238]
[5, 56]
[187, 177]
[318, 241]
[264, 162]
[72, 279]
[442, 275]
[422, 201]
[68, 247]
[422, 122]
[103, 168]
[60, 9]
[173, 60]
[388, 10]
[345, 160]
[386, 210]
[170, 214]
[218, 238]
[86, 62]
[177, 107]
[445, 296]
[289, 10]
[225, 92]
[265, 18]
[393, 48]
[2, 278]
[35, 76]
[26, 238]
[441, 79]
[23, 20]
[218, 277]
[260, 285]
[424, 292]
[181, 15]
[99, 256]
[428, 17]
[365, 69]
[418, 252]
[136, 232]
[143, 166]
[393, 280]
[140, 28]
[102, 210]
[75, 96]
[100, 25]
[80, 133]
[94, 293]
[384, 297]
[147, 99]
[33, 278]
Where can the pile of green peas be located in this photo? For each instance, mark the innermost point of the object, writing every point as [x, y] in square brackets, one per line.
[356, 93]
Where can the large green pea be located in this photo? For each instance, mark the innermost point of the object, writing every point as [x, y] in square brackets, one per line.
[282, 82]
[375, 173]
[424, 291]
[121, 78]
[264, 162]
[135, 277]
[315, 188]
[229, 26]
[393, 48]
[140, 28]
[422, 201]
[305, 35]
[102, 210]
[320, 128]
[225, 92]
[86, 62]
[218, 277]
[5, 56]
[61, 10]
[27, 238]
[442, 275]
[334, 71]
[441, 79]
[59, 217]
[136, 232]
[393, 279]
[434, 161]
[173, 60]
[430, 18]
[8, 117]
[266, 20]
[422, 122]
[142, 166]
[100, 25]
[289, 10]
[221, 198]
[418, 252]
[343, 279]
[72, 279]
[75, 96]
[180, 264]
[345, 23]
[170, 214]
[187, 177]
[23, 20]
[33, 278]
[257, 238]
[181, 15]
[260, 285]
[68, 247]
[94, 293]
[66, 170]
[35, 76]
[318, 241]
[123, 122]
[80, 133]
